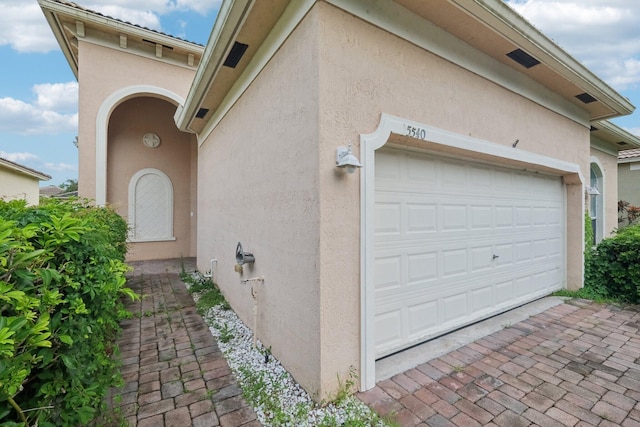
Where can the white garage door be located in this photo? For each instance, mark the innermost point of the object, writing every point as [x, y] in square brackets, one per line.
[457, 241]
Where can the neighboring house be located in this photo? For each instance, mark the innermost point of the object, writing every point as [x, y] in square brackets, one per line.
[50, 191]
[608, 175]
[472, 128]
[629, 175]
[20, 182]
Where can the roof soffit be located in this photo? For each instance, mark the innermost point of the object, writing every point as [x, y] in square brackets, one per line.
[70, 22]
[494, 28]
[245, 21]
[613, 136]
[488, 26]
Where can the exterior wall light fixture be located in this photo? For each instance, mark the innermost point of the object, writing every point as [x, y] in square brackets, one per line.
[592, 191]
[346, 160]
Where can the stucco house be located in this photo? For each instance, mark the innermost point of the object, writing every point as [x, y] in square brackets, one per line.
[20, 182]
[629, 175]
[609, 180]
[473, 132]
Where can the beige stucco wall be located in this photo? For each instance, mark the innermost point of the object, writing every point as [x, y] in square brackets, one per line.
[267, 175]
[104, 71]
[175, 156]
[258, 185]
[609, 164]
[365, 71]
[15, 185]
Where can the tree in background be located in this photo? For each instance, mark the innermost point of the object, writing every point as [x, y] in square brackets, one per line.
[69, 185]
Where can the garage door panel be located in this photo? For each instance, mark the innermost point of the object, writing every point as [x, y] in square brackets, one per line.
[428, 313]
[454, 307]
[454, 262]
[388, 215]
[388, 272]
[422, 317]
[422, 267]
[421, 171]
[458, 242]
[389, 329]
[434, 289]
[480, 217]
[482, 299]
[421, 217]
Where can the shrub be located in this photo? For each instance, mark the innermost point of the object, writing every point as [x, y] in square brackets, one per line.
[612, 269]
[62, 277]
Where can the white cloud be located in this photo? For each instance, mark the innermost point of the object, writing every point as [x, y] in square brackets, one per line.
[144, 18]
[27, 119]
[24, 28]
[602, 34]
[18, 157]
[160, 7]
[61, 167]
[60, 97]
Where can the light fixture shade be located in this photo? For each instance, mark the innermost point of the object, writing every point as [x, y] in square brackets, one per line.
[346, 160]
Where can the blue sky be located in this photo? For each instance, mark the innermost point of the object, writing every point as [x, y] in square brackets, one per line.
[38, 92]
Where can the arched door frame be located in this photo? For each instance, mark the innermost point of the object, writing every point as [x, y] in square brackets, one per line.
[102, 126]
[133, 205]
[596, 166]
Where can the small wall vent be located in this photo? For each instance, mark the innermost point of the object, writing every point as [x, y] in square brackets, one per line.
[586, 98]
[201, 113]
[523, 58]
[155, 43]
[235, 55]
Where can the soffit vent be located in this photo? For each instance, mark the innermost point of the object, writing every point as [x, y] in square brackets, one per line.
[154, 43]
[523, 58]
[201, 113]
[586, 98]
[235, 55]
[622, 143]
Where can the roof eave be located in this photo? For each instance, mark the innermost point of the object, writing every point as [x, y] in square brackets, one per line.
[229, 22]
[498, 15]
[632, 141]
[52, 8]
[49, 9]
[24, 170]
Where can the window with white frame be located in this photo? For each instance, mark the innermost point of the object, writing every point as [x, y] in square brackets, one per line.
[596, 203]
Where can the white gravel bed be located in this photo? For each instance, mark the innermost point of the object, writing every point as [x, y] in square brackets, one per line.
[281, 401]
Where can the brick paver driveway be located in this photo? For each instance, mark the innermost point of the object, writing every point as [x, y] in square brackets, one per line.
[174, 372]
[576, 364]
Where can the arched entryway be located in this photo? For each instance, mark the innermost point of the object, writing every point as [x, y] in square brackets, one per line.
[151, 177]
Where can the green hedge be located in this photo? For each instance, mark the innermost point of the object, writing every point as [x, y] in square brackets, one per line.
[62, 279]
[612, 269]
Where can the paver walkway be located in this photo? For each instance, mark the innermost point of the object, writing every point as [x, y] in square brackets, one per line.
[175, 374]
[577, 364]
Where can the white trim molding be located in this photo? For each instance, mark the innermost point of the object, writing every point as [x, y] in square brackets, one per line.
[369, 143]
[102, 126]
[601, 219]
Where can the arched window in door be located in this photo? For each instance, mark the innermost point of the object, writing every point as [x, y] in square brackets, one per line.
[596, 204]
[150, 206]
